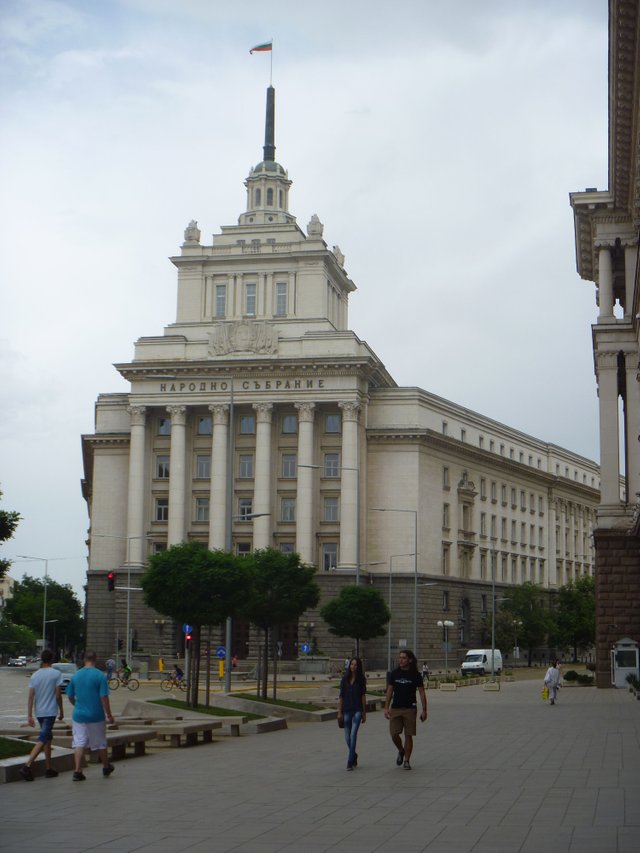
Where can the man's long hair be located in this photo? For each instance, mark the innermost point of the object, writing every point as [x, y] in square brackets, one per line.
[413, 661]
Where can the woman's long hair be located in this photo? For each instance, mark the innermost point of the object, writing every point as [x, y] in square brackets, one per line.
[360, 677]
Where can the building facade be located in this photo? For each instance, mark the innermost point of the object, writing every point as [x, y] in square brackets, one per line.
[606, 229]
[259, 419]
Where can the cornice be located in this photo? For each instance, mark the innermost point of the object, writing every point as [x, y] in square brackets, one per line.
[624, 153]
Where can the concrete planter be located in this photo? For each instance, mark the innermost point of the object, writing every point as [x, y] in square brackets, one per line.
[313, 665]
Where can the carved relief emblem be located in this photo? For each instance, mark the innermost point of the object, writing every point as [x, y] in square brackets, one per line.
[243, 337]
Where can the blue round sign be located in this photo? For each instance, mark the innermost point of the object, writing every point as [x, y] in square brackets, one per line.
[306, 648]
[187, 629]
[221, 652]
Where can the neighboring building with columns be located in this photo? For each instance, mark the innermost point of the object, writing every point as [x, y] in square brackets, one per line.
[607, 226]
[260, 419]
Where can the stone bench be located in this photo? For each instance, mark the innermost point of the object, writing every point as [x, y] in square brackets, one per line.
[233, 723]
[117, 742]
[187, 729]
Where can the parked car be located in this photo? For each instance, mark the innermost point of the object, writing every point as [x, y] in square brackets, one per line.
[67, 670]
[19, 661]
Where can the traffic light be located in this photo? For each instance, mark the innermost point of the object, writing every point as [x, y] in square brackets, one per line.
[111, 581]
[187, 638]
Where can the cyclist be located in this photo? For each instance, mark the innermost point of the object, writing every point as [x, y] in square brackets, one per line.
[125, 670]
[178, 674]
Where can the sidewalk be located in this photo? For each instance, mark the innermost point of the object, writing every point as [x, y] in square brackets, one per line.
[492, 773]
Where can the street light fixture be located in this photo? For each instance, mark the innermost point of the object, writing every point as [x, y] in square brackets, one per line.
[446, 624]
[414, 512]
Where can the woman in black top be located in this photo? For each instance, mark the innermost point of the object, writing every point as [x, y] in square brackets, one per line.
[352, 707]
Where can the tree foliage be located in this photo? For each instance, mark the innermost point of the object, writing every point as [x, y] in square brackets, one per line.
[283, 588]
[575, 614]
[26, 606]
[525, 606]
[358, 611]
[16, 639]
[9, 521]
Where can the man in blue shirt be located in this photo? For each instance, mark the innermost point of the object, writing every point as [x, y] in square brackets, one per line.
[45, 691]
[88, 692]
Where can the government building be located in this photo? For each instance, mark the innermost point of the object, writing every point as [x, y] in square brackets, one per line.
[259, 419]
[607, 224]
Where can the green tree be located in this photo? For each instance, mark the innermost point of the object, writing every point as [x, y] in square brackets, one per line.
[16, 639]
[192, 584]
[283, 588]
[575, 614]
[358, 611]
[525, 606]
[9, 521]
[26, 605]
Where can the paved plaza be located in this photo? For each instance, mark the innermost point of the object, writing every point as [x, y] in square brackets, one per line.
[492, 773]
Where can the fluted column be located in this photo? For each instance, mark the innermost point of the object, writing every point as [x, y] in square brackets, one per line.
[218, 486]
[177, 464]
[304, 499]
[630, 260]
[607, 373]
[632, 425]
[349, 488]
[262, 480]
[605, 286]
[135, 494]
[552, 567]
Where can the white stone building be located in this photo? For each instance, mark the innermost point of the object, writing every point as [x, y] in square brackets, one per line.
[260, 419]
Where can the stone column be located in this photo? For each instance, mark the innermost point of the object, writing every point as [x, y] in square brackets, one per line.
[177, 476]
[607, 374]
[552, 570]
[262, 481]
[632, 425]
[630, 259]
[349, 488]
[218, 486]
[136, 491]
[605, 285]
[304, 498]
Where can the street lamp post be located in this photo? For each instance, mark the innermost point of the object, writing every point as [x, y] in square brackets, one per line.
[446, 624]
[414, 512]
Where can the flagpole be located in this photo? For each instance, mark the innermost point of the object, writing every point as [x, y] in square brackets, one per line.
[271, 65]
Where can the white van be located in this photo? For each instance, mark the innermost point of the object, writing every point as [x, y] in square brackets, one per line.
[478, 662]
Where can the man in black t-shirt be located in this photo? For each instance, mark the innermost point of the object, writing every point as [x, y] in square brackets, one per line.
[400, 706]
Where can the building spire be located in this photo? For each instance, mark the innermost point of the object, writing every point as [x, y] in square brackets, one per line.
[269, 149]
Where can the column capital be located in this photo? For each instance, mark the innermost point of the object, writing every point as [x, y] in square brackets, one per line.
[219, 414]
[607, 360]
[178, 415]
[305, 411]
[137, 414]
[264, 412]
[350, 410]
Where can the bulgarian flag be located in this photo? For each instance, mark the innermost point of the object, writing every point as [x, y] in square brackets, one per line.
[259, 48]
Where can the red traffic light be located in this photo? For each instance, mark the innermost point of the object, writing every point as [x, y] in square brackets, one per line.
[187, 638]
[111, 581]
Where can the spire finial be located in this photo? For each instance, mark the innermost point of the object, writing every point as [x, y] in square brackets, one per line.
[269, 149]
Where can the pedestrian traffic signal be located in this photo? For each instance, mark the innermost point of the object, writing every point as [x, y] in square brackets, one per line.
[187, 638]
[111, 581]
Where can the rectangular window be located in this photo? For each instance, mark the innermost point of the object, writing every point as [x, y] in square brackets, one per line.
[290, 424]
[532, 535]
[221, 300]
[483, 604]
[513, 532]
[483, 524]
[445, 477]
[445, 427]
[289, 463]
[245, 466]
[159, 547]
[445, 569]
[523, 534]
[330, 556]
[243, 549]
[494, 491]
[503, 494]
[331, 509]
[250, 300]
[445, 599]
[463, 435]
[204, 425]
[202, 509]
[332, 465]
[491, 445]
[483, 488]
[281, 299]
[164, 426]
[162, 509]
[523, 500]
[483, 565]
[503, 528]
[332, 423]
[203, 467]
[445, 516]
[288, 509]
[247, 425]
[481, 442]
[245, 509]
[287, 547]
[532, 502]
[493, 527]
[162, 467]
[514, 498]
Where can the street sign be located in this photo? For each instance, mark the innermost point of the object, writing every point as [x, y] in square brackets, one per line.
[306, 648]
[187, 629]
[221, 652]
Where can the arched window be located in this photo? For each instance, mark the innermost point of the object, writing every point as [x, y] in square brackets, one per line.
[269, 197]
[258, 196]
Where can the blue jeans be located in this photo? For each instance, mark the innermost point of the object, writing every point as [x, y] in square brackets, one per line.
[352, 720]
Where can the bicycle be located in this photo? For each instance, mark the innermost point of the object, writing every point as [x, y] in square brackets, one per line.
[169, 683]
[130, 683]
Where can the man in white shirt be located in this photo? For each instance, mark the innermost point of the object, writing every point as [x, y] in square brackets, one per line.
[46, 692]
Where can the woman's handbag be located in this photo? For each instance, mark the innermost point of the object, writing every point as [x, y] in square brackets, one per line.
[545, 693]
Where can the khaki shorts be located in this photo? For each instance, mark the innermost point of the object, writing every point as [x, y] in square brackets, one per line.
[403, 719]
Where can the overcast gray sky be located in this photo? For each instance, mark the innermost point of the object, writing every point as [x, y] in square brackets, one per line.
[437, 141]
